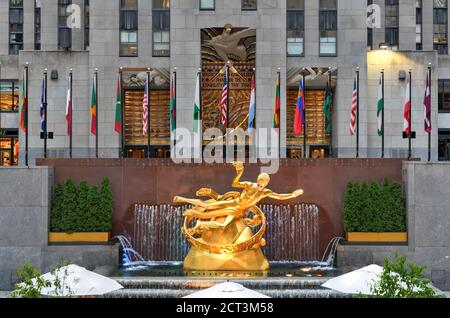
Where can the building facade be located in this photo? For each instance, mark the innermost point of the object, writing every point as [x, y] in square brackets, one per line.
[325, 41]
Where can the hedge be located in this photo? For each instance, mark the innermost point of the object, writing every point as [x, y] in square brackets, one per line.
[81, 208]
[373, 207]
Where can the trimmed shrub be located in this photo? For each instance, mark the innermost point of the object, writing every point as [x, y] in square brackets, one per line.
[374, 207]
[82, 208]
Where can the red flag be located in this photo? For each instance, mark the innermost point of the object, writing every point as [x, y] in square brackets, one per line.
[69, 112]
[224, 101]
[299, 120]
[427, 105]
[354, 109]
[407, 110]
[145, 110]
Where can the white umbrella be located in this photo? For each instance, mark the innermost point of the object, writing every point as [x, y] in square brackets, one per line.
[78, 281]
[356, 282]
[227, 290]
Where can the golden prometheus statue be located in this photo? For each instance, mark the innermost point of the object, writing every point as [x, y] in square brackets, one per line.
[222, 229]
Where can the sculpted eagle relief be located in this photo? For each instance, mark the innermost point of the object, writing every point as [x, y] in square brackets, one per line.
[222, 228]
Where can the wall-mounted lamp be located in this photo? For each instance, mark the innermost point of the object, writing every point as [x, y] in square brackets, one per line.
[383, 46]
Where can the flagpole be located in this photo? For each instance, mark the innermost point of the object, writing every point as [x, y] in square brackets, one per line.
[148, 113]
[96, 112]
[175, 97]
[429, 133]
[45, 114]
[0, 102]
[304, 126]
[200, 116]
[382, 114]
[71, 115]
[228, 109]
[279, 118]
[410, 117]
[26, 115]
[254, 119]
[122, 133]
[357, 112]
[330, 90]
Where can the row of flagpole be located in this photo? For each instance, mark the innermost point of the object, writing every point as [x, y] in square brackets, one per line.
[299, 121]
[407, 112]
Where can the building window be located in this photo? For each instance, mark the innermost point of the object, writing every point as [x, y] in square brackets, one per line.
[440, 24]
[15, 26]
[391, 23]
[87, 23]
[207, 5]
[9, 147]
[328, 27]
[444, 144]
[9, 96]
[295, 27]
[128, 28]
[444, 95]
[419, 25]
[248, 5]
[161, 28]
[37, 25]
[64, 32]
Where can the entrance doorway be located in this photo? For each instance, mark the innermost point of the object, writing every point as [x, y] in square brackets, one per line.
[9, 147]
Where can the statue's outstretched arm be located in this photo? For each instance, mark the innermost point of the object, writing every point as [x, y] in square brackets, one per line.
[290, 196]
[239, 166]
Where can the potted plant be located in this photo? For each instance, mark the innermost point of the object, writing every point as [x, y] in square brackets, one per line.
[81, 213]
[375, 212]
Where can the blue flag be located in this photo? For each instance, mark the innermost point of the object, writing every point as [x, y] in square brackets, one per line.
[42, 108]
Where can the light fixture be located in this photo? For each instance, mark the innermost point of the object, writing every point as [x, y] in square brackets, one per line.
[383, 46]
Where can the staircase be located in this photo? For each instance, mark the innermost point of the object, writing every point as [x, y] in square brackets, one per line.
[180, 287]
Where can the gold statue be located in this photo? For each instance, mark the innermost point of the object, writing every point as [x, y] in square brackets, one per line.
[222, 236]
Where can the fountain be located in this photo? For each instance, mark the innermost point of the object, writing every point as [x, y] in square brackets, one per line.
[162, 239]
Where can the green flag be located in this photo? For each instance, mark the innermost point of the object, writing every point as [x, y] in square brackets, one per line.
[197, 105]
[118, 118]
[327, 109]
[173, 105]
[380, 107]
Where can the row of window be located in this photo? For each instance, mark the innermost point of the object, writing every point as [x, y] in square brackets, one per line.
[295, 25]
[440, 25]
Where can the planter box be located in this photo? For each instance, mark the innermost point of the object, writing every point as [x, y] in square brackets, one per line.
[79, 237]
[360, 237]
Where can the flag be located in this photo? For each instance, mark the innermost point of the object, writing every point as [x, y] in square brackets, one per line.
[224, 100]
[277, 112]
[145, 109]
[42, 107]
[407, 110]
[24, 109]
[327, 108]
[197, 104]
[94, 108]
[69, 111]
[380, 107]
[299, 120]
[354, 109]
[427, 105]
[173, 104]
[252, 107]
[118, 118]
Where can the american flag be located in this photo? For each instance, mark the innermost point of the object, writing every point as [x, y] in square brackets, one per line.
[145, 110]
[224, 100]
[354, 109]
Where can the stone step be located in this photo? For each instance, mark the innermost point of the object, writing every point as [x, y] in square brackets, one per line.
[198, 284]
[273, 293]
